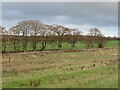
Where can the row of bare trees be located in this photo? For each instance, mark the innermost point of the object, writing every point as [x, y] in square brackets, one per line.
[34, 31]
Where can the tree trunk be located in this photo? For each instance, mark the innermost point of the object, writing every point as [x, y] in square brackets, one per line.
[43, 45]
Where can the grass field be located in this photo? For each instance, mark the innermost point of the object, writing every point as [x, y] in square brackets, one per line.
[87, 69]
[65, 45]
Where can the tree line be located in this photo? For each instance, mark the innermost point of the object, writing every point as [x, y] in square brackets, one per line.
[34, 32]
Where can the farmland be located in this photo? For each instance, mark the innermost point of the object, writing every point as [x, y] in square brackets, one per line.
[37, 55]
[59, 45]
[85, 69]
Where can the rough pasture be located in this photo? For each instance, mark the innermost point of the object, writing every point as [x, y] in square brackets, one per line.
[86, 69]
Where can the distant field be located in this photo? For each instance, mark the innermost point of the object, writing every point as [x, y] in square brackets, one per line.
[85, 69]
[112, 44]
[65, 45]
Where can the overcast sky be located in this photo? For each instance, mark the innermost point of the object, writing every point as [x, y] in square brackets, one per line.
[80, 15]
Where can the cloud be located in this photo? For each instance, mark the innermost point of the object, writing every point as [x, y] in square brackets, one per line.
[107, 31]
[98, 14]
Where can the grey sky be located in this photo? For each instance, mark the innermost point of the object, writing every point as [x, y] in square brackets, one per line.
[81, 15]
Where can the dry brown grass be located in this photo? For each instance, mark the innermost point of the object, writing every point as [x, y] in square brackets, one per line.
[25, 62]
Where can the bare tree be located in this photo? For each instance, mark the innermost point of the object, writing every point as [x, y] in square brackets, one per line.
[94, 32]
[16, 31]
[44, 33]
[96, 38]
[3, 32]
[59, 31]
[76, 35]
[30, 28]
